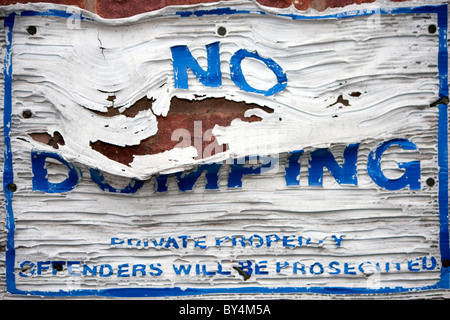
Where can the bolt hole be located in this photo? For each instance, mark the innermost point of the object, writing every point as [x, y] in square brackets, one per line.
[12, 187]
[446, 263]
[221, 31]
[432, 28]
[31, 30]
[27, 114]
[430, 182]
[58, 266]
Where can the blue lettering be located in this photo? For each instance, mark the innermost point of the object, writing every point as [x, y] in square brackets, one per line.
[156, 270]
[338, 240]
[246, 266]
[411, 175]
[259, 266]
[271, 238]
[184, 240]
[130, 242]
[183, 59]
[186, 181]
[348, 269]
[71, 265]
[238, 170]
[220, 271]
[138, 268]
[281, 266]
[40, 179]
[292, 169]
[324, 158]
[260, 239]
[161, 182]
[158, 244]
[235, 239]
[425, 263]
[206, 272]
[109, 271]
[320, 271]
[87, 269]
[29, 267]
[287, 241]
[123, 270]
[299, 267]
[171, 242]
[333, 265]
[200, 242]
[98, 178]
[319, 159]
[414, 265]
[115, 241]
[212, 76]
[360, 267]
[182, 269]
[219, 241]
[238, 77]
[41, 266]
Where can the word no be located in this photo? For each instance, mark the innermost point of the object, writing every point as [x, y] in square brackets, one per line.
[212, 76]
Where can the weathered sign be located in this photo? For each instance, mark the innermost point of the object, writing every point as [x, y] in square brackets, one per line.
[226, 148]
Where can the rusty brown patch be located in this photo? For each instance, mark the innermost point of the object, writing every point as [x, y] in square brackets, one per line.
[140, 105]
[340, 100]
[182, 115]
[54, 141]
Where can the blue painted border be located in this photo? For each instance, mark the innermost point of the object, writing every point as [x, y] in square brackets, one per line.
[8, 174]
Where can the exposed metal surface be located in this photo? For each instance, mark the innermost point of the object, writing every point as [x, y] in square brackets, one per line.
[123, 181]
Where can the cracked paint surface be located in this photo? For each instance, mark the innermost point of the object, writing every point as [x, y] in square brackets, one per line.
[121, 185]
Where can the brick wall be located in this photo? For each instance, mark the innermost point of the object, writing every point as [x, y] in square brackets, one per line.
[125, 8]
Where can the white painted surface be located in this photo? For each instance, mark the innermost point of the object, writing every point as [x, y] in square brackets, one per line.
[391, 61]
[321, 60]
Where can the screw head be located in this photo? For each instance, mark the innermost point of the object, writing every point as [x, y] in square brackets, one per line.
[58, 267]
[31, 30]
[12, 187]
[432, 28]
[430, 182]
[27, 114]
[221, 31]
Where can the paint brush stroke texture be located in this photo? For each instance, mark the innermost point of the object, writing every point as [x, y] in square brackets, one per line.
[75, 72]
[327, 240]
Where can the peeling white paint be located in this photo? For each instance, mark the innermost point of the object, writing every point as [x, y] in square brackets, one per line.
[321, 60]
